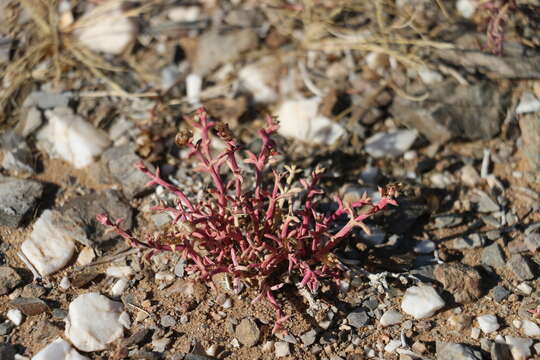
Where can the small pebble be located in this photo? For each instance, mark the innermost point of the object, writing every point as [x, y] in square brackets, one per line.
[64, 283]
[488, 323]
[530, 328]
[525, 288]
[421, 302]
[392, 346]
[282, 349]
[390, 317]
[475, 333]
[15, 316]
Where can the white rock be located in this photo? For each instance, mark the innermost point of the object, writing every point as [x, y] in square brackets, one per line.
[391, 317]
[59, 349]
[429, 76]
[466, 8]
[421, 301]
[69, 137]
[49, 247]
[390, 144]
[282, 349]
[517, 323]
[184, 13]
[86, 256]
[119, 271]
[525, 288]
[259, 80]
[475, 333]
[392, 345]
[15, 316]
[64, 283]
[424, 247]
[105, 28]
[119, 286]
[300, 119]
[528, 103]
[488, 323]
[519, 347]
[193, 88]
[530, 328]
[93, 321]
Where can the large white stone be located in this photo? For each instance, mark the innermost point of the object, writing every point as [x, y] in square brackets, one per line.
[69, 137]
[530, 328]
[93, 321]
[49, 247]
[519, 347]
[59, 349]
[105, 28]
[390, 144]
[488, 323]
[300, 119]
[421, 301]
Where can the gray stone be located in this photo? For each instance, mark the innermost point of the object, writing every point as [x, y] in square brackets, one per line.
[48, 100]
[118, 165]
[9, 279]
[29, 306]
[29, 121]
[454, 111]
[168, 321]
[309, 337]
[247, 332]
[521, 267]
[493, 255]
[6, 327]
[19, 198]
[499, 293]
[451, 351]
[5, 48]
[447, 221]
[500, 351]
[532, 241]
[390, 144]
[472, 241]
[7, 352]
[79, 215]
[530, 133]
[19, 159]
[484, 202]
[358, 318]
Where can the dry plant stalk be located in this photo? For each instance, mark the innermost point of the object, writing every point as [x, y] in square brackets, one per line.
[255, 235]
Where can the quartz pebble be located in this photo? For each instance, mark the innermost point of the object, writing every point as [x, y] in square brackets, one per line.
[281, 349]
[421, 301]
[390, 144]
[15, 316]
[119, 286]
[391, 317]
[93, 321]
[530, 328]
[119, 271]
[106, 29]
[69, 137]
[49, 247]
[59, 349]
[488, 323]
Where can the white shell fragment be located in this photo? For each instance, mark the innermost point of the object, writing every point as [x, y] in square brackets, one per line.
[72, 139]
[93, 322]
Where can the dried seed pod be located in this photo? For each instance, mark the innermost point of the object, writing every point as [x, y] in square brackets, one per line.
[183, 138]
[224, 131]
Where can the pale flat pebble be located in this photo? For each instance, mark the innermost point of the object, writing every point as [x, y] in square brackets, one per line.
[59, 349]
[421, 301]
[488, 323]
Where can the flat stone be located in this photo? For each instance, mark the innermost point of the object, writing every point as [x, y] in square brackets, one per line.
[532, 241]
[48, 100]
[448, 221]
[93, 322]
[454, 111]
[247, 332]
[462, 281]
[488, 323]
[390, 144]
[19, 159]
[309, 337]
[281, 349]
[391, 317]
[118, 165]
[471, 241]
[519, 347]
[500, 293]
[19, 198]
[451, 351]
[530, 328]
[29, 121]
[530, 133]
[492, 255]
[79, 214]
[29, 306]
[521, 267]
[421, 301]
[358, 318]
[484, 202]
[9, 279]
[49, 247]
[69, 137]
[167, 321]
[59, 349]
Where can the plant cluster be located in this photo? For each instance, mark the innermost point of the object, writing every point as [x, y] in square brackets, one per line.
[249, 226]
